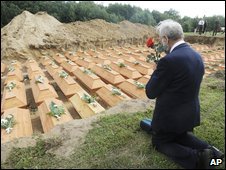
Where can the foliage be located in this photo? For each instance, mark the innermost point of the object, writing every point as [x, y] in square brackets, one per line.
[116, 91]
[10, 86]
[88, 99]
[39, 79]
[139, 85]
[8, 123]
[87, 71]
[63, 74]
[56, 111]
[106, 67]
[71, 11]
[120, 64]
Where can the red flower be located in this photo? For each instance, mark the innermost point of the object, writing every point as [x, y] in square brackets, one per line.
[150, 43]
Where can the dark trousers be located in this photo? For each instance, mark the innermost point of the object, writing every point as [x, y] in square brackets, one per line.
[181, 148]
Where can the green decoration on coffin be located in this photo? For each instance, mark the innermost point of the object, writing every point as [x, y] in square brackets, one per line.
[88, 99]
[106, 67]
[39, 80]
[56, 110]
[139, 85]
[63, 74]
[8, 123]
[11, 86]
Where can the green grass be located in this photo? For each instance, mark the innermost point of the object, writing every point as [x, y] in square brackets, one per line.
[118, 142]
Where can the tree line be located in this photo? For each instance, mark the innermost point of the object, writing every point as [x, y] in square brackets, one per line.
[71, 11]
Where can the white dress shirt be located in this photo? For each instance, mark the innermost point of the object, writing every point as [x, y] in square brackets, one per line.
[176, 44]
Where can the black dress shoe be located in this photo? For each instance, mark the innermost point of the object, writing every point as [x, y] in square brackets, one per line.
[216, 152]
[204, 157]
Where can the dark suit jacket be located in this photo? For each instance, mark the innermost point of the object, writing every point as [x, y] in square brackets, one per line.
[175, 84]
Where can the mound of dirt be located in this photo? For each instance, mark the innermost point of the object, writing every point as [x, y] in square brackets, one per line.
[32, 35]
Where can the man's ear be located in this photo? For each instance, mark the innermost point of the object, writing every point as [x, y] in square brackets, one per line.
[166, 38]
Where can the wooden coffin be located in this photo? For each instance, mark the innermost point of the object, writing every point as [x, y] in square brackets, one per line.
[46, 61]
[85, 109]
[91, 52]
[106, 94]
[91, 80]
[14, 75]
[69, 66]
[80, 53]
[34, 70]
[3, 67]
[48, 121]
[144, 79]
[131, 89]
[100, 60]
[150, 64]
[143, 69]
[22, 127]
[68, 85]
[59, 58]
[52, 69]
[85, 63]
[31, 63]
[71, 56]
[42, 91]
[114, 58]
[16, 64]
[14, 98]
[110, 76]
[126, 71]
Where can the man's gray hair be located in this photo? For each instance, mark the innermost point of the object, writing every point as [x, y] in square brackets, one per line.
[172, 29]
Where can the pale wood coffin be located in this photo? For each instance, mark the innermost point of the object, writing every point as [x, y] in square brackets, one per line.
[131, 89]
[31, 63]
[59, 58]
[23, 126]
[14, 75]
[68, 85]
[92, 81]
[126, 71]
[52, 69]
[110, 76]
[69, 66]
[46, 61]
[143, 69]
[48, 121]
[144, 79]
[34, 70]
[42, 91]
[105, 94]
[71, 56]
[14, 98]
[87, 63]
[16, 64]
[85, 109]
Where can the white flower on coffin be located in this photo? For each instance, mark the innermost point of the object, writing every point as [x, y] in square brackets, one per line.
[63, 74]
[4, 121]
[106, 67]
[116, 91]
[8, 123]
[139, 85]
[40, 79]
[8, 130]
[10, 86]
